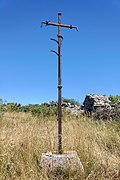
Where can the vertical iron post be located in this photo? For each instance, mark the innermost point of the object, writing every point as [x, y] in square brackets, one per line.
[59, 86]
[59, 54]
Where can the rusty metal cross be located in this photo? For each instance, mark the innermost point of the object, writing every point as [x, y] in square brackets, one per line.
[59, 54]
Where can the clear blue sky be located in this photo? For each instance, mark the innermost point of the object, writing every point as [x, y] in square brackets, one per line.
[91, 57]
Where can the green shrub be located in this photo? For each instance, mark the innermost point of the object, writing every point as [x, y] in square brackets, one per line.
[114, 99]
[71, 101]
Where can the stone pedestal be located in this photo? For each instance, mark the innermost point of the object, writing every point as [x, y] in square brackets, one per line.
[68, 162]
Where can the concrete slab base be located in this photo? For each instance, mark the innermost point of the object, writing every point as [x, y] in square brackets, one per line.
[67, 162]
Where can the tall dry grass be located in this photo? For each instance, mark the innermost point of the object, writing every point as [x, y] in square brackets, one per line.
[23, 138]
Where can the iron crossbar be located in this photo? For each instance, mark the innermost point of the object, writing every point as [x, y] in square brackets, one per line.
[47, 23]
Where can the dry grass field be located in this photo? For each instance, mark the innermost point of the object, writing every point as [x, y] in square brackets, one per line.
[23, 138]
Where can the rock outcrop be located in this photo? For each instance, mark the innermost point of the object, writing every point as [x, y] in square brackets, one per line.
[100, 107]
[93, 102]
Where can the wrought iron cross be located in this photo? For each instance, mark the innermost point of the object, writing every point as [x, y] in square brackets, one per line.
[59, 54]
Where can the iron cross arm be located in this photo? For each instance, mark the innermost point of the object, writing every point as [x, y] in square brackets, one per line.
[47, 23]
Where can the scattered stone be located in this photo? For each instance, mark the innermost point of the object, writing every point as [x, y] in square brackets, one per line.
[74, 109]
[107, 114]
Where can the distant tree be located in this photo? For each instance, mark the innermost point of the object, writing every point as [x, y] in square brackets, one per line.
[2, 105]
[71, 101]
[1, 101]
[53, 103]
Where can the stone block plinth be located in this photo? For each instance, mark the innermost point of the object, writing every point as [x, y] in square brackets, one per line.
[66, 162]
